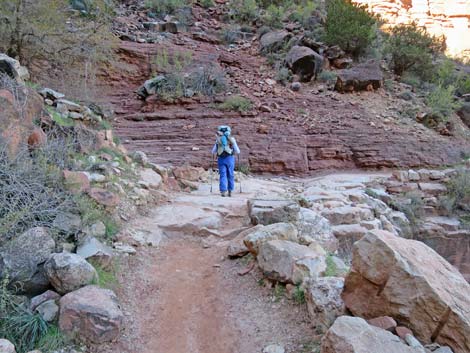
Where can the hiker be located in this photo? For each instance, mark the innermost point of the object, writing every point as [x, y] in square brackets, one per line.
[225, 146]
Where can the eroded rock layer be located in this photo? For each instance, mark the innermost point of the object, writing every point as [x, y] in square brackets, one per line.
[450, 18]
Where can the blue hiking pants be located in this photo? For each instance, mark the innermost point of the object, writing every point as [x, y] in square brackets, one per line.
[226, 171]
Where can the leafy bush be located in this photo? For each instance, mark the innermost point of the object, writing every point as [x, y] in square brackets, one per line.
[331, 268]
[207, 81]
[442, 103]
[349, 26]
[244, 11]
[411, 47]
[106, 276]
[236, 103]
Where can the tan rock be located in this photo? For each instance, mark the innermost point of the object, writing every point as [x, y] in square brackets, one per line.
[76, 181]
[92, 314]
[276, 231]
[409, 281]
[355, 335]
[104, 197]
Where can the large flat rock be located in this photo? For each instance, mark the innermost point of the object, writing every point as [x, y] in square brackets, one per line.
[407, 280]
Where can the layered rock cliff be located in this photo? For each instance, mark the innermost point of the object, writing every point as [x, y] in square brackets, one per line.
[450, 18]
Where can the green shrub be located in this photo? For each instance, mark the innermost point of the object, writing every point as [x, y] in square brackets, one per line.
[207, 3]
[458, 193]
[302, 12]
[244, 11]
[106, 276]
[273, 16]
[331, 268]
[283, 75]
[52, 341]
[442, 103]
[165, 7]
[462, 84]
[298, 295]
[411, 47]
[236, 103]
[349, 26]
[326, 76]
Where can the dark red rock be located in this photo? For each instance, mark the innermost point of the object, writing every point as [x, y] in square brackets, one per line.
[104, 197]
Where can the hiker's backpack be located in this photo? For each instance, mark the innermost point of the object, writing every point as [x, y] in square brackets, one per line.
[224, 141]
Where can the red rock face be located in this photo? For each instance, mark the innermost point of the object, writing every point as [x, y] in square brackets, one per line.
[450, 18]
[301, 132]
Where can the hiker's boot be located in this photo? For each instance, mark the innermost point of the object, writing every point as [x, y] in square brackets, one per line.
[223, 193]
[230, 193]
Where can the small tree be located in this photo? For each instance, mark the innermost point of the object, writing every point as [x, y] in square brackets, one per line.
[411, 47]
[51, 29]
[349, 26]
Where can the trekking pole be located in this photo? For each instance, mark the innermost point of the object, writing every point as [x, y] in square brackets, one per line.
[212, 171]
[239, 173]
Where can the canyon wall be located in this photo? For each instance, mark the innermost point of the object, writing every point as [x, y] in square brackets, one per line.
[450, 18]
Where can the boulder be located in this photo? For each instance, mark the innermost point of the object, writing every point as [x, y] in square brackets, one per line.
[273, 41]
[237, 247]
[273, 211]
[407, 280]
[92, 314]
[324, 303]
[76, 182]
[44, 297]
[276, 231]
[6, 346]
[150, 179]
[104, 197]
[367, 76]
[96, 230]
[464, 113]
[289, 262]
[315, 228]
[21, 258]
[384, 322]
[67, 223]
[140, 157]
[348, 215]
[189, 173]
[13, 68]
[68, 272]
[304, 62]
[48, 310]
[347, 235]
[48, 93]
[91, 249]
[355, 335]
[274, 348]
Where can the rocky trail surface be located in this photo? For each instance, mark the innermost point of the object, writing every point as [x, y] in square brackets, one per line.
[186, 296]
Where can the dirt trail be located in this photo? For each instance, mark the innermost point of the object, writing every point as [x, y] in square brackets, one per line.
[187, 297]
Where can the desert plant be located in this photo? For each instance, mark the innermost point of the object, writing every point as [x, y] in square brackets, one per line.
[236, 103]
[283, 75]
[166, 7]
[31, 189]
[326, 76]
[331, 268]
[273, 16]
[244, 11]
[298, 295]
[442, 103]
[206, 81]
[279, 291]
[410, 46]
[349, 26]
[106, 276]
[458, 193]
[302, 11]
[207, 3]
